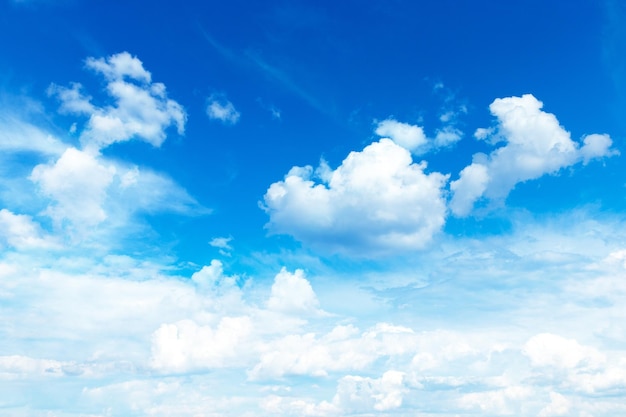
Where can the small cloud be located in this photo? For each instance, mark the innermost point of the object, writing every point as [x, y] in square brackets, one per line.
[408, 136]
[270, 107]
[222, 110]
[275, 112]
[223, 244]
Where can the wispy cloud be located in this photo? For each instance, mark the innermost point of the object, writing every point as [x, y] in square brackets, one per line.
[222, 110]
[273, 72]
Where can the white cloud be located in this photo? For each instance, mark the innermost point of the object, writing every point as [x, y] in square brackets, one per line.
[413, 138]
[16, 135]
[341, 349]
[77, 182]
[72, 99]
[408, 136]
[119, 66]
[88, 190]
[356, 393]
[222, 110]
[221, 242]
[535, 145]
[140, 108]
[223, 245]
[292, 293]
[21, 232]
[376, 201]
[20, 365]
[447, 136]
[552, 350]
[505, 401]
[559, 406]
[185, 345]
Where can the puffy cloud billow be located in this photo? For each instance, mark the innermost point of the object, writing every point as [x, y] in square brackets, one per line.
[535, 144]
[377, 201]
[140, 108]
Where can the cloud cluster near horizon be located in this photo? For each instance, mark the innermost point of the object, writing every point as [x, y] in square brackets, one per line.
[153, 343]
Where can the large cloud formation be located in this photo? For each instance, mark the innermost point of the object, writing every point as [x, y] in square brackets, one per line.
[376, 201]
[535, 145]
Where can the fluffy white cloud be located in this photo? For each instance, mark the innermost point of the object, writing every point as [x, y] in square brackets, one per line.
[222, 110]
[376, 201]
[292, 293]
[185, 345]
[505, 401]
[413, 138]
[120, 66]
[140, 108]
[559, 406]
[77, 182]
[535, 145]
[21, 232]
[408, 136]
[343, 348]
[88, 189]
[552, 350]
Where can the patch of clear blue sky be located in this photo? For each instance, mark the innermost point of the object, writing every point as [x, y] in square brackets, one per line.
[331, 69]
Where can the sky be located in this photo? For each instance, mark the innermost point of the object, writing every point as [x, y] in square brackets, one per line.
[312, 208]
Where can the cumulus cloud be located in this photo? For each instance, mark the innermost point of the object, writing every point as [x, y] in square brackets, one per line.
[86, 189]
[505, 401]
[140, 108]
[408, 136]
[341, 349]
[356, 393]
[21, 232]
[292, 292]
[222, 110]
[413, 138]
[559, 406]
[552, 350]
[185, 345]
[77, 182]
[535, 144]
[376, 201]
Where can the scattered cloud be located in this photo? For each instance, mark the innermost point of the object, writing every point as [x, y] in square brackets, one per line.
[376, 201]
[140, 108]
[223, 245]
[413, 138]
[21, 232]
[222, 110]
[408, 136]
[535, 144]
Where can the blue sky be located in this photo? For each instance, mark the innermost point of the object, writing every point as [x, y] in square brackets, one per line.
[381, 208]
